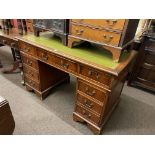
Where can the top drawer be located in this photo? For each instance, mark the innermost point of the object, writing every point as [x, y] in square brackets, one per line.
[27, 48]
[96, 75]
[117, 24]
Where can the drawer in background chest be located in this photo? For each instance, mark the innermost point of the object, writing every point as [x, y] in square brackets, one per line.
[31, 73]
[27, 48]
[29, 61]
[98, 76]
[92, 91]
[117, 24]
[95, 34]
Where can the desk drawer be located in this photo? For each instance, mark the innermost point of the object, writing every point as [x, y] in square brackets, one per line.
[87, 103]
[30, 61]
[27, 48]
[9, 42]
[31, 73]
[92, 91]
[96, 75]
[95, 34]
[32, 83]
[87, 114]
[117, 24]
[66, 64]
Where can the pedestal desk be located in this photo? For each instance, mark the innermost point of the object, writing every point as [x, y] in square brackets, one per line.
[46, 63]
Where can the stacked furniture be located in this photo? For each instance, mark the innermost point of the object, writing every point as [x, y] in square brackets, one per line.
[29, 24]
[143, 74]
[99, 79]
[112, 34]
[58, 26]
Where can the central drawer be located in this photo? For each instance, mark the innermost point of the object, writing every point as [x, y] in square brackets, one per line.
[65, 64]
[95, 34]
[91, 91]
[117, 24]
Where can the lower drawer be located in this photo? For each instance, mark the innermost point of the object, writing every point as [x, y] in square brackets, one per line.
[87, 114]
[96, 107]
[31, 73]
[31, 83]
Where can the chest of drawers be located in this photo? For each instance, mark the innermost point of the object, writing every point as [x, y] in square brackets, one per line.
[112, 34]
[143, 74]
[59, 27]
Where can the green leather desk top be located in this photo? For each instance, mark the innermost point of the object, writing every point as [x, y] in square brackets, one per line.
[84, 52]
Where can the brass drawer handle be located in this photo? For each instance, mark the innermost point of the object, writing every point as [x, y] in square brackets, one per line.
[64, 65]
[79, 32]
[26, 49]
[44, 57]
[90, 93]
[29, 62]
[88, 104]
[97, 76]
[86, 114]
[4, 41]
[107, 38]
[111, 22]
[13, 44]
[90, 73]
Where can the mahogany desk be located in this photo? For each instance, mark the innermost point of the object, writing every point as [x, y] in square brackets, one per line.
[46, 63]
[11, 41]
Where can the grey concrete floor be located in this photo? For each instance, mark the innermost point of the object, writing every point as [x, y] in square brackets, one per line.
[135, 113]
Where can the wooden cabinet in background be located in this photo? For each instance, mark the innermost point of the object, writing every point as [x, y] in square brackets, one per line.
[112, 34]
[59, 27]
[143, 74]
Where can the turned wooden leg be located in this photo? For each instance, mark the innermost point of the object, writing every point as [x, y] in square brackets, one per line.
[71, 40]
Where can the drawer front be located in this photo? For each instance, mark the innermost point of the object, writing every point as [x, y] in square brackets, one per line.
[27, 48]
[87, 114]
[31, 73]
[117, 24]
[30, 61]
[149, 56]
[32, 83]
[89, 104]
[56, 24]
[9, 42]
[96, 35]
[65, 64]
[96, 75]
[92, 92]
[147, 72]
